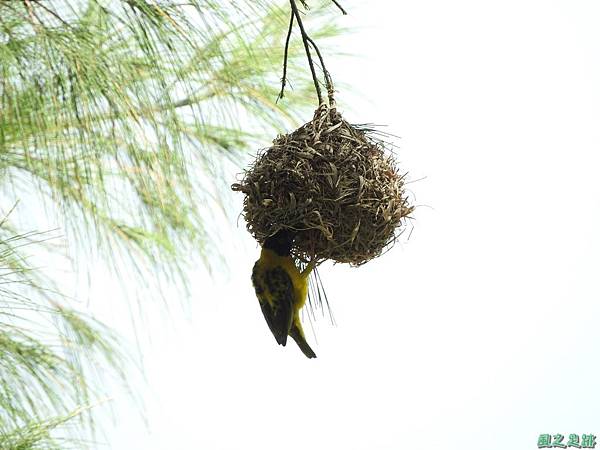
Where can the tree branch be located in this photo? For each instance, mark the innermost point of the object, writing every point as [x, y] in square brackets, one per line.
[328, 80]
[305, 39]
[54, 13]
[308, 42]
[336, 3]
[285, 57]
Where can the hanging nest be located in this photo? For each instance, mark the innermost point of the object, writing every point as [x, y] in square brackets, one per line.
[334, 183]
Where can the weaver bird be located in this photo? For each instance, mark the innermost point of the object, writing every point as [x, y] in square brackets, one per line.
[281, 289]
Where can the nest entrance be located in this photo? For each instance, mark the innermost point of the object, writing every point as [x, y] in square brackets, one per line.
[333, 183]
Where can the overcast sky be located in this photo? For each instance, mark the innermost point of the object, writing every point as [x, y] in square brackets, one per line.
[481, 330]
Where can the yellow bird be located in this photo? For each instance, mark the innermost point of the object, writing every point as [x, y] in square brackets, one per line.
[281, 289]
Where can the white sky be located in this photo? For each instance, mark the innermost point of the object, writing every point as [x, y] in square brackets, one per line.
[480, 332]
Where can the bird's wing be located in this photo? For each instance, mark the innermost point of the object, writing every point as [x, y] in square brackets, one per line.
[275, 285]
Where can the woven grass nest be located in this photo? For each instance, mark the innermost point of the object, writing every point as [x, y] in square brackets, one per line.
[335, 184]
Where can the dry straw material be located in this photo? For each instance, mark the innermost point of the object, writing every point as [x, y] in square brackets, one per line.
[334, 183]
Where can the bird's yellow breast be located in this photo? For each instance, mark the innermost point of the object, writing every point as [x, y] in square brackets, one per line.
[269, 260]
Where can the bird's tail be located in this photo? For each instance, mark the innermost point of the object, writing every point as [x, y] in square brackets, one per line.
[298, 335]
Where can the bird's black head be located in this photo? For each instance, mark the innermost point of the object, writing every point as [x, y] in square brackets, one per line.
[281, 242]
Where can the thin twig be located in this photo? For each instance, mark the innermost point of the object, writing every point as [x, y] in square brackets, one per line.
[305, 39]
[328, 80]
[285, 57]
[50, 11]
[336, 3]
[32, 15]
